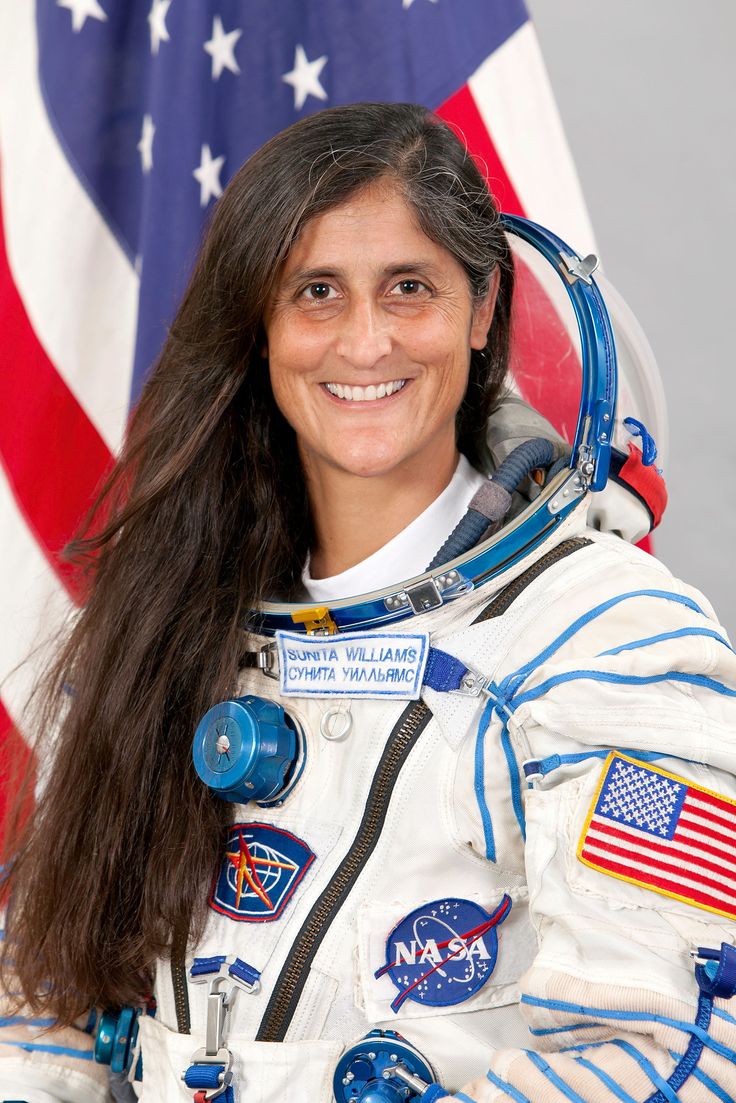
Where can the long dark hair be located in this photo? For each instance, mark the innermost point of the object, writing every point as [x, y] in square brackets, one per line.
[204, 516]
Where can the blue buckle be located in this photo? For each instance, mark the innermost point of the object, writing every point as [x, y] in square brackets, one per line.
[211, 1071]
[226, 967]
[715, 970]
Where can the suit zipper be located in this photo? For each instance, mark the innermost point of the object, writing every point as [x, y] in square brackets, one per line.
[179, 979]
[508, 595]
[290, 983]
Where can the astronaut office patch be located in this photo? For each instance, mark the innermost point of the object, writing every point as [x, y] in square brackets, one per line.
[443, 952]
[662, 832]
[259, 874]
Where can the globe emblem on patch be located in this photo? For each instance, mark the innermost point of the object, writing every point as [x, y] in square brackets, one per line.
[443, 952]
[268, 867]
[260, 871]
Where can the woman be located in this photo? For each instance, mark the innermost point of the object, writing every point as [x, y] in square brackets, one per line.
[314, 429]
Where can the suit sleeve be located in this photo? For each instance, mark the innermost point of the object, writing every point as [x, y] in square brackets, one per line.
[619, 732]
[43, 1064]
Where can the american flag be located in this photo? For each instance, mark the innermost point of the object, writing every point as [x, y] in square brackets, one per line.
[664, 833]
[120, 123]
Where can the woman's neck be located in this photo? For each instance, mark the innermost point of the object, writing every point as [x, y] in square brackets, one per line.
[354, 516]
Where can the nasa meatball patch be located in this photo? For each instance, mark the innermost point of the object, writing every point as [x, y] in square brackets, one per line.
[260, 872]
[443, 952]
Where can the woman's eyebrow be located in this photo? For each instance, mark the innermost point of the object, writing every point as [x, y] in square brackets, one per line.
[416, 267]
[307, 275]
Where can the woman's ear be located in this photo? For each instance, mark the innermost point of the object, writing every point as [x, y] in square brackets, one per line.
[483, 313]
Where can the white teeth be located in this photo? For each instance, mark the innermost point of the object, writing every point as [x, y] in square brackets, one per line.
[365, 394]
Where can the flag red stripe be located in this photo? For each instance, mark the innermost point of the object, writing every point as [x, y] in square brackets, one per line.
[696, 844]
[701, 828]
[713, 799]
[547, 373]
[461, 111]
[668, 851]
[692, 809]
[663, 883]
[53, 454]
[648, 858]
[9, 739]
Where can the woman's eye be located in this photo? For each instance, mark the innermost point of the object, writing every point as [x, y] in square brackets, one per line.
[318, 292]
[408, 288]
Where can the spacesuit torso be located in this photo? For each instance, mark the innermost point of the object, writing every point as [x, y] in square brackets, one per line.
[443, 870]
[409, 833]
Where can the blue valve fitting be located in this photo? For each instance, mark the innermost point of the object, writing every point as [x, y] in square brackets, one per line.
[383, 1091]
[245, 749]
[117, 1034]
[383, 1068]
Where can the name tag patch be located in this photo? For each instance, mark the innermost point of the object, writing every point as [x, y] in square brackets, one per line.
[357, 664]
[443, 952]
[664, 833]
[259, 873]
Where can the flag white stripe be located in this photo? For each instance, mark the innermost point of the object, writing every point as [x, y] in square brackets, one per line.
[78, 287]
[644, 849]
[694, 798]
[32, 601]
[512, 92]
[705, 821]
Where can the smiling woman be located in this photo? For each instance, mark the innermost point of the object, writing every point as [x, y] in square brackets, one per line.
[369, 339]
[478, 815]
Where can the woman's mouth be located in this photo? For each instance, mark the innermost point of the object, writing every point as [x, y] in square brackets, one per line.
[364, 394]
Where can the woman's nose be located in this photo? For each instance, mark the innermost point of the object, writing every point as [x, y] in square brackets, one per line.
[364, 336]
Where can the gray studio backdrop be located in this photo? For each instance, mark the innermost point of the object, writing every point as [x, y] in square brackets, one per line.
[647, 94]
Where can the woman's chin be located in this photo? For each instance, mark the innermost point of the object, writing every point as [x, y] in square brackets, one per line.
[363, 455]
[413, 450]
[370, 466]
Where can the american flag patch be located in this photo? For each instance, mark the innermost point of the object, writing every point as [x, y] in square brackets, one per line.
[660, 831]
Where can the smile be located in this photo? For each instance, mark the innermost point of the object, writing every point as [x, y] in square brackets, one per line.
[364, 394]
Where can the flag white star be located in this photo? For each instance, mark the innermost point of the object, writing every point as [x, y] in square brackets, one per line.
[145, 145]
[408, 3]
[304, 78]
[208, 176]
[221, 48]
[82, 10]
[157, 23]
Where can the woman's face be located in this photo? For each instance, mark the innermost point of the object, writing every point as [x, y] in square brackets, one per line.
[369, 336]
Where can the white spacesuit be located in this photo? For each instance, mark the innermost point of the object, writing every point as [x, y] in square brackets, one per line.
[414, 824]
[508, 835]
